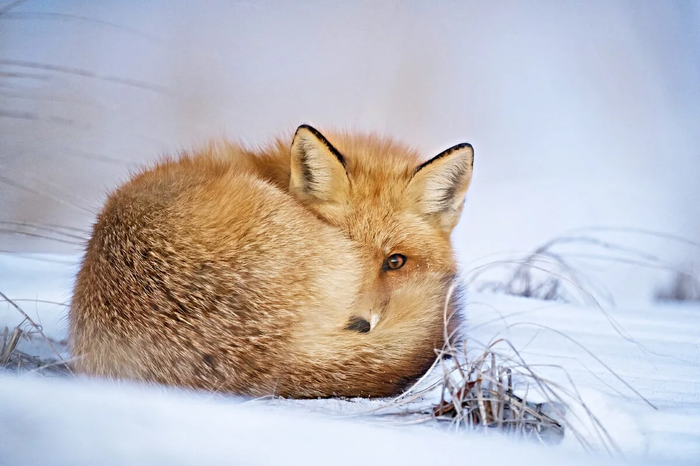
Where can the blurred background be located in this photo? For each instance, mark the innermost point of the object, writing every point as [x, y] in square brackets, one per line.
[585, 116]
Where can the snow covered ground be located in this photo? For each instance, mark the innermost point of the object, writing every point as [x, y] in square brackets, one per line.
[615, 358]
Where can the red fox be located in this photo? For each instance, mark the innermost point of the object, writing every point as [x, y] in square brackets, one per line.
[315, 269]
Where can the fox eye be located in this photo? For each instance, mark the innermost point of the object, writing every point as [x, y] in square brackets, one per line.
[394, 262]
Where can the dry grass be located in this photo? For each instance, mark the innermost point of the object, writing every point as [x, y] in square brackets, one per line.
[552, 271]
[480, 394]
[15, 360]
[684, 286]
[490, 392]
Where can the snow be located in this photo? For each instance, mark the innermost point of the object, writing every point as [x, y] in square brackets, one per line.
[81, 423]
[654, 350]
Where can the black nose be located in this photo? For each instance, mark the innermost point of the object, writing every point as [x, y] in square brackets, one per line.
[358, 324]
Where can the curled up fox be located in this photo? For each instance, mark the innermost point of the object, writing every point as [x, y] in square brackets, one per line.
[317, 266]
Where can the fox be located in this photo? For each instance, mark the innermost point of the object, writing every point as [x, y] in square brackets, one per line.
[320, 268]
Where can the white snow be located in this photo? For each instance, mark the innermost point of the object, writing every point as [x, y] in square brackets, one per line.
[80, 423]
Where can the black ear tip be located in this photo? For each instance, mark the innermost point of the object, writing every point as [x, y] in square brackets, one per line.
[451, 150]
[458, 147]
[308, 128]
[465, 145]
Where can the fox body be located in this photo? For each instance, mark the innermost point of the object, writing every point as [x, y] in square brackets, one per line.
[311, 269]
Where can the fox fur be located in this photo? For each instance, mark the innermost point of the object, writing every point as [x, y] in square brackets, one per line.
[315, 268]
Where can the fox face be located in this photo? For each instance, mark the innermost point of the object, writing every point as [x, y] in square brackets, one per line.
[399, 212]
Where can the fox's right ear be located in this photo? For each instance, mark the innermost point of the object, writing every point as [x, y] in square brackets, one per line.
[439, 185]
[318, 172]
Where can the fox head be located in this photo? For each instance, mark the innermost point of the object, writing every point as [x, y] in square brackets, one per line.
[399, 213]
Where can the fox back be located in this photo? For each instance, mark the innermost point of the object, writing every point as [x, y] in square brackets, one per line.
[320, 268]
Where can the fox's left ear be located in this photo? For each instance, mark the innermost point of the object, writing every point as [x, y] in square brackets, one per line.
[439, 185]
[318, 173]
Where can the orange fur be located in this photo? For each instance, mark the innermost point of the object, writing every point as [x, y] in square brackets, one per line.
[242, 271]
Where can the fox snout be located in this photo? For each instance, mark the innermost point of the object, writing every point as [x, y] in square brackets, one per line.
[369, 308]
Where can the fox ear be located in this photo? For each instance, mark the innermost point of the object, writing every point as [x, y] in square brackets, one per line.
[438, 186]
[318, 170]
